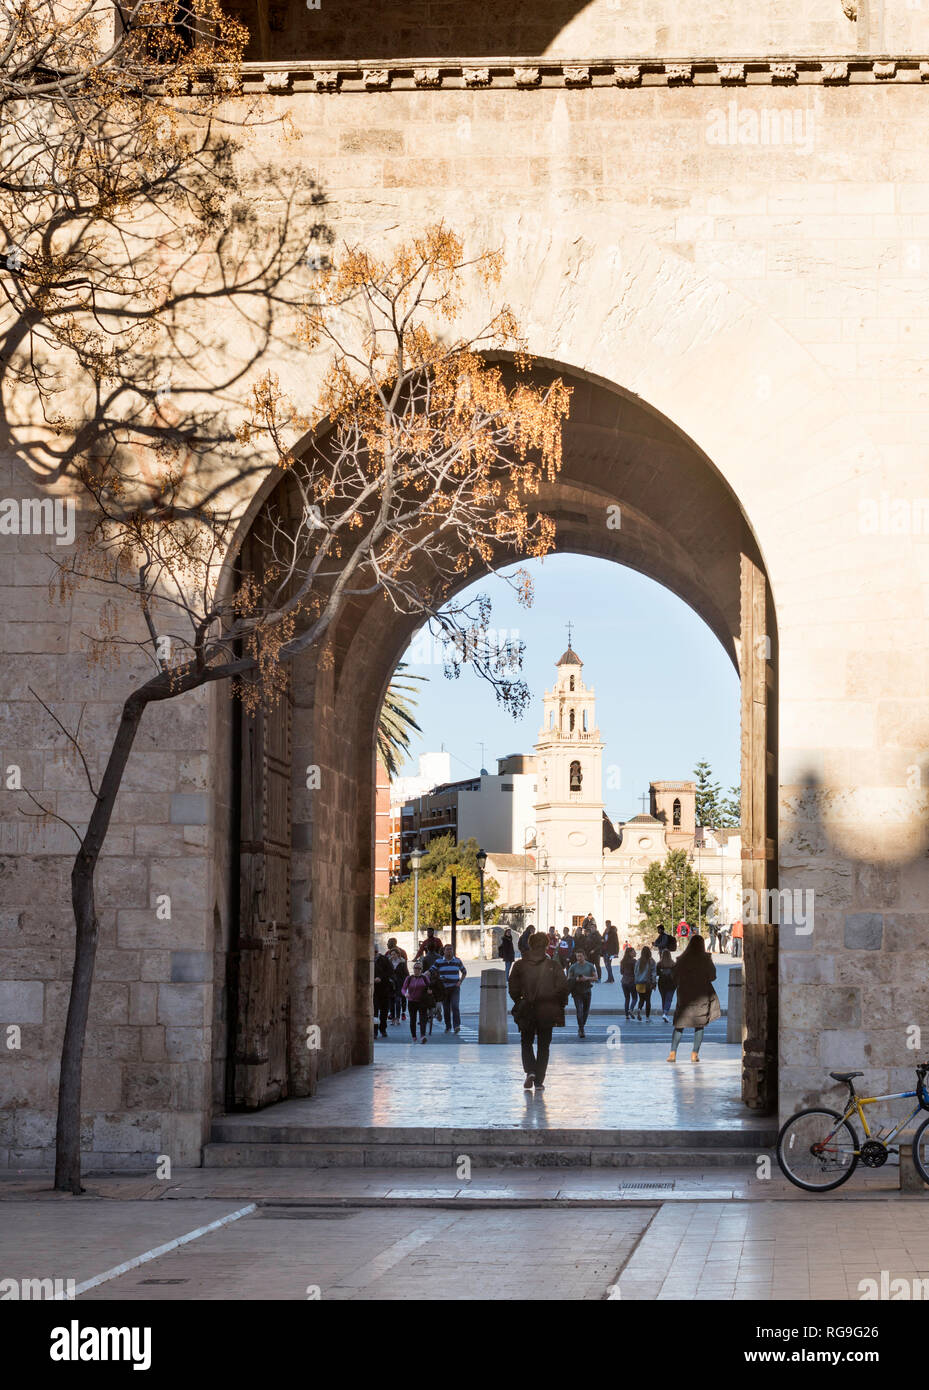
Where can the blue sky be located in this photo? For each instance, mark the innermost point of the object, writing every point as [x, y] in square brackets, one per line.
[667, 694]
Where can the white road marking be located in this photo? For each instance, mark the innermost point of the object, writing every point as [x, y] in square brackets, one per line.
[158, 1250]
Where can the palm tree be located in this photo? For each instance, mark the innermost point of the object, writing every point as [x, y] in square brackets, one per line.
[396, 724]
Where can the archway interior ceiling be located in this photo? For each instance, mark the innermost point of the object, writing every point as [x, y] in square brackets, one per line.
[678, 522]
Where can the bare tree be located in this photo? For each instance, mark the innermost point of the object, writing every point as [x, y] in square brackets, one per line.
[419, 471]
[124, 214]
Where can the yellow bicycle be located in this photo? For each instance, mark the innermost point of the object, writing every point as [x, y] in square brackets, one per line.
[818, 1149]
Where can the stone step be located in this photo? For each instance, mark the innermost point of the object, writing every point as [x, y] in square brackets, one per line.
[254, 1129]
[447, 1156]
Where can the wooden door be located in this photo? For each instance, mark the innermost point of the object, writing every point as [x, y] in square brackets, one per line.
[759, 830]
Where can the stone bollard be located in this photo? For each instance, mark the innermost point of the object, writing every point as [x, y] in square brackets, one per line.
[910, 1180]
[494, 999]
[734, 1008]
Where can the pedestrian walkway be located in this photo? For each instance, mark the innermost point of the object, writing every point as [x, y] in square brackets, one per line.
[481, 1087]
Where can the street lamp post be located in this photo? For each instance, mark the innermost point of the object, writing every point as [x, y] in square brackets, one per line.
[481, 865]
[529, 830]
[416, 858]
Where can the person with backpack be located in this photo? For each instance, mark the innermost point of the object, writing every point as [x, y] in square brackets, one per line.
[646, 978]
[664, 941]
[627, 979]
[697, 1001]
[610, 949]
[451, 972]
[666, 984]
[507, 951]
[416, 988]
[594, 949]
[538, 989]
[581, 976]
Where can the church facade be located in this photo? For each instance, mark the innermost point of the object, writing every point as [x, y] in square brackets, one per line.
[586, 863]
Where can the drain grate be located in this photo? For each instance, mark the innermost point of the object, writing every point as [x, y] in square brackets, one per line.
[646, 1186]
[306, 1214]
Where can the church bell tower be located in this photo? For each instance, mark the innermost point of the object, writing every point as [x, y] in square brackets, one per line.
[569, 806]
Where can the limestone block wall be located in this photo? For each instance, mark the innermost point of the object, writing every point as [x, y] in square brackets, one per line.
[768, 297]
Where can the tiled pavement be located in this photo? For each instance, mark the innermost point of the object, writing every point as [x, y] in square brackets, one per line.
[292, 1248]
[776, 1251]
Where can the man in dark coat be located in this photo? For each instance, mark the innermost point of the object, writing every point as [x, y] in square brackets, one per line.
[538, 989]
[383, 991]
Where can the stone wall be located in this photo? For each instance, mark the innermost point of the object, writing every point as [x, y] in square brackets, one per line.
[768, 298]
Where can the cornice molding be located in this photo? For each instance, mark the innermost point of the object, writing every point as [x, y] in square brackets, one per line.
[534, 74]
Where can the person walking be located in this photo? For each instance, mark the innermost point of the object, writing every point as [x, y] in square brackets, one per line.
[523, 942]
[566, 949]
[646, 978]
[452, 973]
[429, 946]
[594, 949]
[538, 989]
[735, 946]
[415, 988]
[507, 951]
[627, 979]
[610, 949]
[666, 984]
[383, 992]
[400, 972]
[581, 976]
[697, 1001]
[392, 946]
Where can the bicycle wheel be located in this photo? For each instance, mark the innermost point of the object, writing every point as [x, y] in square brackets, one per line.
[817, 1150]
[921, 1150]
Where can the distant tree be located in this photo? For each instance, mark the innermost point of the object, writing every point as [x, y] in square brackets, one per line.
[673, 890]
[707, 804]
[442, 859]
[730, 808]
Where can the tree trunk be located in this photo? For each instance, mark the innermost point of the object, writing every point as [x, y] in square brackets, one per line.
[68, 1134]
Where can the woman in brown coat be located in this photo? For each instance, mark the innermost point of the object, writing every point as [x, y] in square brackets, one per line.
[697, 1002]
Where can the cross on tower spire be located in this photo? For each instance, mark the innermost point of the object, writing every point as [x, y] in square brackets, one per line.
[570, 625]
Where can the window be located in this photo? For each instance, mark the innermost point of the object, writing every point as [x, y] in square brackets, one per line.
[551, 719]
[506, 786]
[585, 721]
[571, 684]
[576, 921]
[571, 722]
[576, 777]
[676, 812]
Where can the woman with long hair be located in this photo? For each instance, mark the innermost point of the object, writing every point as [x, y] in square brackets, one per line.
[697, 1001]
[646, 978]
[627, 979]
[666, 983]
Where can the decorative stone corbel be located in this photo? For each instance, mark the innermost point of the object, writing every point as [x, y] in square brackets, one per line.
[427, 77]
[476, 77]
[629, 75]
[784, 72]
[527, 77]
[679, 72]
[577, 77]
[884, 70]
[731, 72]
[835, 72]
[277, 82]
[850, 9]
[376, 79]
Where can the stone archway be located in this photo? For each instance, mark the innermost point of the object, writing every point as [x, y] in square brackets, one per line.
[303, 986]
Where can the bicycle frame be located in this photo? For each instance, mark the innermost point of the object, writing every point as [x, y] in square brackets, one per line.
[857, 1104]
